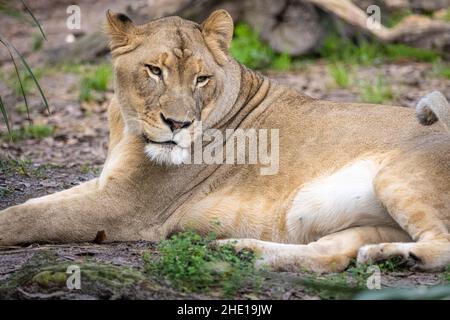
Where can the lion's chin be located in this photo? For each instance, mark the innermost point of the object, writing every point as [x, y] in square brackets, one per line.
[166, 154]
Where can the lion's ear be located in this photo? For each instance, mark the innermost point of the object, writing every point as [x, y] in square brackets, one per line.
[120, 29]
[217, 31]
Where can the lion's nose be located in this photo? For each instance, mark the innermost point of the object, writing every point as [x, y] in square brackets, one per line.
[174, 124]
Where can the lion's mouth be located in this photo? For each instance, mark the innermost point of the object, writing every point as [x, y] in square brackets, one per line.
[164, 143]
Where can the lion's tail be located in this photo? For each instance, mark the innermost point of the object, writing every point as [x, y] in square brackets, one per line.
[434, 107]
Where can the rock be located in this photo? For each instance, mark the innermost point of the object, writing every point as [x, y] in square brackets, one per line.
[288, 26]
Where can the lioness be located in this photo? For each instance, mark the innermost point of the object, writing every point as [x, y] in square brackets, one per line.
[354, 180]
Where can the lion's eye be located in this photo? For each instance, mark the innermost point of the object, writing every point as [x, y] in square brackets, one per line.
[155, 70]
[202, 80]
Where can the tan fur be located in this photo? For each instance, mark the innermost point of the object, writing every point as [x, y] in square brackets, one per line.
[320, 142]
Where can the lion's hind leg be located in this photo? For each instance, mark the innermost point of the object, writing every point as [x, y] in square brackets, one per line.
[416, 192]
[331, 253]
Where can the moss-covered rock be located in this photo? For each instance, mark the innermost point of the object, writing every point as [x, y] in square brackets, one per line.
[44, 273]
[49, 279]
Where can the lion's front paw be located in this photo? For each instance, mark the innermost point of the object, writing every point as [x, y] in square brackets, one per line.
[238, 244]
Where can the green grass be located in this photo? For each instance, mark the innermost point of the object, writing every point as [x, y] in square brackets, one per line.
[349, 283]
[445, 16]
[23, 167]
[87, 168]
[377, 92]
[442, 69]
[28, 83]
[96, 80]
[37, 41]
[345, 55]
[446, 274]
[192, 264]
[250, 50]
[21, 108]
[332, 286]
[282, 62]
[397, 52]
[340, 49]
[5, 191]
[75, 68]
[33, 131]
[392, 265]
[341, 74]
[15, 57]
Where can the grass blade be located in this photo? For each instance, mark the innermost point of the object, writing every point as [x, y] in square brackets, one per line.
[30, 72]
[34, 19]
[20, 80]
[5, 115]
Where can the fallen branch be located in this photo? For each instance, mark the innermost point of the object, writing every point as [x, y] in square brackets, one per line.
[416, 30]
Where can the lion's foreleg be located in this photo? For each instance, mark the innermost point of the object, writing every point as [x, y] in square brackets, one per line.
[84, 187]
[75, 218]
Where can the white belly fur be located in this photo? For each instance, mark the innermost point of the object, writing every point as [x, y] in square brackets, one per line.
[334, 202]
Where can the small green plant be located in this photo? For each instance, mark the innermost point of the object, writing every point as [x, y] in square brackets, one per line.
[33, 131]
[392, 265]
[377, 92]
[96, 80]
[191, 263]
[341, 74]
[249, 49]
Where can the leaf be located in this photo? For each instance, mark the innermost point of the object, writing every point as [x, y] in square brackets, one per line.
[100, 237]
[34, 19]
[5, 115]
[30, 72]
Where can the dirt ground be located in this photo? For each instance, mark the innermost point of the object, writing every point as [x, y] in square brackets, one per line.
[75, 152]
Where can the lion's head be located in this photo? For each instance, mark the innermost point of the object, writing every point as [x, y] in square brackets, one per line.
[169, 74]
